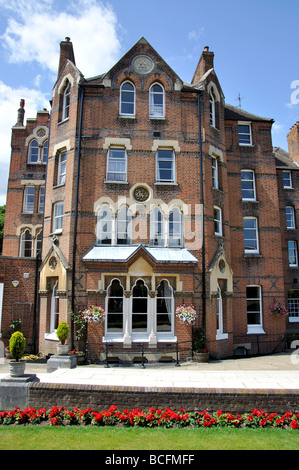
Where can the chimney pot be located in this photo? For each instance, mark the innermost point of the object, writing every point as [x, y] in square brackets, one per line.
[67, 39]
[206, 49]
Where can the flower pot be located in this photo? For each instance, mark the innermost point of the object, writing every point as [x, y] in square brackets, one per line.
[62, 349]
[80, 359]
[17, 368]
[201, 356]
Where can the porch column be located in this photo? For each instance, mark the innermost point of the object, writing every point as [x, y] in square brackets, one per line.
[127, 326]
[152, 319]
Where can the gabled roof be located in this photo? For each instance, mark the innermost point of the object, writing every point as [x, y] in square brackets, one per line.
[233, 113]
[283, 160]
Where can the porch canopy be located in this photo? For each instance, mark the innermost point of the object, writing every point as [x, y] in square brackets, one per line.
[124, 253]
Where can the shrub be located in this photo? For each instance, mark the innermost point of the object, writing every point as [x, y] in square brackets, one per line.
[17, 345]
[63, 332]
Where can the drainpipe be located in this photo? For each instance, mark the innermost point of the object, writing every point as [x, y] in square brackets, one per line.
[38, 260]
[76, 214]
[203, 219]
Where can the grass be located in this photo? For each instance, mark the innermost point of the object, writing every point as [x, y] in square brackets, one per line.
[96, 438]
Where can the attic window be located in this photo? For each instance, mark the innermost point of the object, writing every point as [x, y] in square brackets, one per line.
[244, 130]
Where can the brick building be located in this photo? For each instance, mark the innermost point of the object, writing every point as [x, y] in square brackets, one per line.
[158, 194]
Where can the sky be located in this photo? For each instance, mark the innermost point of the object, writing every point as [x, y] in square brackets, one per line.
[255, 45]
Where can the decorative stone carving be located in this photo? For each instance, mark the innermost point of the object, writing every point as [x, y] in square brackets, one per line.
[142, 64]
[141, 194]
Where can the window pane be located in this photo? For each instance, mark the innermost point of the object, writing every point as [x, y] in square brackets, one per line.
[33, 151]
[253, 305]
[29, 199]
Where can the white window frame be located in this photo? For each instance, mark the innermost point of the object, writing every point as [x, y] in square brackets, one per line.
[157, 227]
[293, 253]
[57, 217]
[160, 159]
[156, 110]
[113, 159]
[54, 313]
[140, 335]
[45, 150]
[34, 151]
[66, 102]
[114, 334]
[41, 199]
[255, 229]
[29, 199]
[290, 217]
[255, 328]
[293, 308]
[289, 173]
[215, 173]
[252, 181]
[108, 219]
[24, 241]
[176, 235]
[61, 168]
[219, 314]
[169, 299]
[212, 109]
[123, 218]
[249, 133]
[38, 240]
[122, 101]
[218, 230]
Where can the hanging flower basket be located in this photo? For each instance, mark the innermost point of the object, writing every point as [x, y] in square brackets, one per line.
[278, 310]
[186, 315]
[94, 314]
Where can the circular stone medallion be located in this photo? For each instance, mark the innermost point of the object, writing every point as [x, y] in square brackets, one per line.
[142, 64]
[141, 194]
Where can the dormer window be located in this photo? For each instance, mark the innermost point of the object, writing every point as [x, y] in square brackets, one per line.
[127, 99]
[156, 101]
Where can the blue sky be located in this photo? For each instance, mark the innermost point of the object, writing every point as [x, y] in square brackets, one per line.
[255, 45]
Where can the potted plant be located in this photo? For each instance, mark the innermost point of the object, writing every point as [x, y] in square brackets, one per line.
[200, 352]
[186, 315]
[62, 333]
[17, 344]
[79, 355]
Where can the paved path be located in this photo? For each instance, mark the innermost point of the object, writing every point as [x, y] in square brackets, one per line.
[278, 371]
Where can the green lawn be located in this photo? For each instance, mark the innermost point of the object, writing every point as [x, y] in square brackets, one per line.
[109, 438]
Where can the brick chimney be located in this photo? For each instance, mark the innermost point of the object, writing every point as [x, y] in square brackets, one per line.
[293, 142]
[21, 113]
[66, 53]
[206, 62]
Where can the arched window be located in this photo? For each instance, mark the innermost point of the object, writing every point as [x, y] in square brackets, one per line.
[127, 99]
[114, 323]
[26, 244]
[175, 228]
[219, 311]
[104, 226]
[33, 152]
[212, 109]
[66, 101]
[54, 321]
[165, 307]
[124, 235]
[156, 101]
[156, 227]
[140, 308]
[45, 151]
[38, 242]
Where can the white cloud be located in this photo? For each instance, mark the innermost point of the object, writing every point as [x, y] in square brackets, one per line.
[9, 105]
[35, 34]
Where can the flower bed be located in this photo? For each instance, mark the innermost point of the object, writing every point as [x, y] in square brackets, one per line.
[61, 416]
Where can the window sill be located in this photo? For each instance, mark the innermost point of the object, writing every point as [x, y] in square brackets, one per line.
[252, 255]
[56, 186]
[255, 330]
[165, 183]
[293, 319]
[63, 121]
[51, 336]
[116, 182]
[246, 145]
[57, 232]
[157, 118]
[220, 336]
[127, 116]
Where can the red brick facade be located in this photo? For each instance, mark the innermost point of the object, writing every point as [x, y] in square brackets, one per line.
[130, 139]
